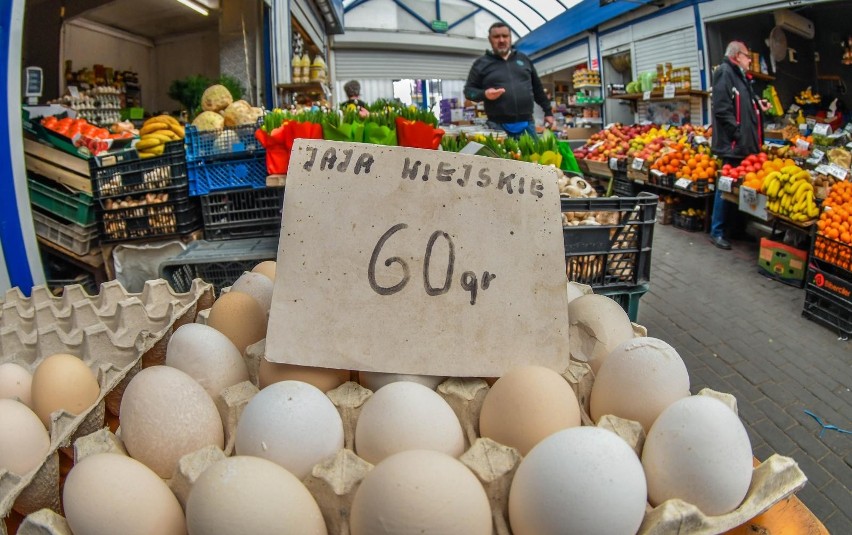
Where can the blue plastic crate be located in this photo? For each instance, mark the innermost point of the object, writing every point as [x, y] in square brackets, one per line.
[207, 176]
[233, 142]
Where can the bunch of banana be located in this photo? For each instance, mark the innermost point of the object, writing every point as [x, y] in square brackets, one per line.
[791, 193]
[155, 133]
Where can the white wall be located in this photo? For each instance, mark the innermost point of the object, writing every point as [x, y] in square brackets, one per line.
[178, 58]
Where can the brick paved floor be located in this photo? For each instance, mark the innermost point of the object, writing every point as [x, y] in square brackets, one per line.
[744, 334]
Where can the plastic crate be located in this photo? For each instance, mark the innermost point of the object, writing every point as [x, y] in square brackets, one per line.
[613, 255]
[176, 216]
[828, 309]
[628, 298]
[622, 187]
[690, 223]
[242, 213]
[76, 238]
[832, 256]
[210, 176]
[226, 143]
[219, 263]
[115, 175]
[75, 206]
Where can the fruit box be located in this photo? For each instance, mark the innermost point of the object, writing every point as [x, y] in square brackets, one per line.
[782, 262]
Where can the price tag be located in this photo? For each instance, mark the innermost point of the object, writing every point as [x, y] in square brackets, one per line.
[665, 127]
[595, 146]
[683, 183]
[638, 164]
[822, 169]
[669, 91]
[849, 145]
[657, 173]
[803, 144]
[837, 171]
[613, 164]
[817, 155]
[726, 183]
[646, 95]
[810, 122]
[434, 289]
[73, 91]
[748, 196]
[793, 108]
[822, 129]
[700, 140]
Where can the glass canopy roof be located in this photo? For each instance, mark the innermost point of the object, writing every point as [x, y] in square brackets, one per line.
[522, 16]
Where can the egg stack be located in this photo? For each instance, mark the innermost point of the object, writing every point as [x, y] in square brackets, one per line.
[62, 360]
[220, 440]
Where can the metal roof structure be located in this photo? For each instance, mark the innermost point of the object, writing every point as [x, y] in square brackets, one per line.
[536, 23]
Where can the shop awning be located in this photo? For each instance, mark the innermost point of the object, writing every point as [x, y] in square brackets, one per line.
[579, 18]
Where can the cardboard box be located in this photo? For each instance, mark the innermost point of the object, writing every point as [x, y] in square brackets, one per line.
[579, 133]
[782, 262]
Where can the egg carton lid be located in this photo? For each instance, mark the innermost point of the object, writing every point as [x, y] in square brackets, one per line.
[112, 347]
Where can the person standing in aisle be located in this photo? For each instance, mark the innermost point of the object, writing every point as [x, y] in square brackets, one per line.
[353, 96]
[737, 124]
[507, 82]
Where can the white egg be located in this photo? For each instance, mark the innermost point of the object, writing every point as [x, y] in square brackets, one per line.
[405, 416]
[420, 491]
[638, 380]
[376, 380]
[166, 414]
[15, 382]
[597, 325]
[584, 481]
[698, 451]
[108, 493]
[290, 423]
[207, 356]
[256, 285]
[24, 441]
[251, 495]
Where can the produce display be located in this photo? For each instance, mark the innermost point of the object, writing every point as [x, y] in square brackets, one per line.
[155, 133]
[835, 223]
[791, 193]
[450, 459]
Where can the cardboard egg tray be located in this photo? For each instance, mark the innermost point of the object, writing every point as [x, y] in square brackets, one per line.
[115, 333]
[334, 482]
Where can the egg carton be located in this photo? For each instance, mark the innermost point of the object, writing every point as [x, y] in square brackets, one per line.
[115, 333]
[334, 482]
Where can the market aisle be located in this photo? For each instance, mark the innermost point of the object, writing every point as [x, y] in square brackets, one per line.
[742, 333]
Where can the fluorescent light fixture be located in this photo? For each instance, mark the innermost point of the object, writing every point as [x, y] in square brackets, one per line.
[194, 6]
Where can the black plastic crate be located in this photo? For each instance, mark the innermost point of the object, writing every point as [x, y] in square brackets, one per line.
[175, 216]
[617, 253]
[622, 187]
[690, 223]
[219, 263]
[832, 256]
[115, 175]
[828, 309]
[244, 213]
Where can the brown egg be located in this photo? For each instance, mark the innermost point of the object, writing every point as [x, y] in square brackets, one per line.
[239, 317]
[526, 405]
[266, 268]
[323, 378]
[63, 382]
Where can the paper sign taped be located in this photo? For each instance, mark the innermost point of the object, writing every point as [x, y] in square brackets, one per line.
[416, 261]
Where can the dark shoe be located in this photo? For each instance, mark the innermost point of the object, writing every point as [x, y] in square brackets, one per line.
[720, 242]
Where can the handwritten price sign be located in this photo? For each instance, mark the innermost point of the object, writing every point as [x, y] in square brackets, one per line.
[416, 261]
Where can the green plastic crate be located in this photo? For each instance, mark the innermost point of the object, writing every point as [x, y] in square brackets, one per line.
[628, 299]
[76, 206]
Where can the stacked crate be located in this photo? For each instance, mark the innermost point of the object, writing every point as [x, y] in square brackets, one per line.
[227, 170]
[828, 285]
[142, 198]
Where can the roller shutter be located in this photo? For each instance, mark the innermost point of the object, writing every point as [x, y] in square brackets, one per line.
[575, 55]
[393, 64]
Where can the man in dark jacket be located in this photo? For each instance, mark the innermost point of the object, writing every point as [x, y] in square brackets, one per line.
[737, 123]
[508, 83]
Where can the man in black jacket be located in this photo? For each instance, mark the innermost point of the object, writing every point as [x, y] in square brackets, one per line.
[737, 123]
[508, 83]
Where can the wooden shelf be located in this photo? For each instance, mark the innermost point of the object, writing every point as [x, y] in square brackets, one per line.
[658, 95]
[286, 91]
[760, 76]
[587, 86]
